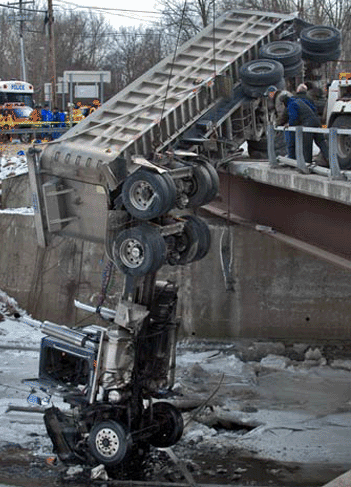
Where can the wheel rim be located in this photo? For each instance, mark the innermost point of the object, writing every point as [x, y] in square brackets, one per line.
[344, 146]
[280, 50]
[141, 195]
[320, 34]
[107, 442]
[193, 187]
[132, 253]
[170, 426]
[261, 68]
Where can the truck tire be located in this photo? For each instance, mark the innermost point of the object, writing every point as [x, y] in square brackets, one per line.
[286, 52]
[148, 194]
[108, 442]
[172, 195]
[196, 240]
[320, 38]
[294, 70]
[343, 141]
[170, 424]
[258, 149]
[321, 57]
[261, 72]
[256, 154]
[256, 91]
[201, 187]
[214, 179]
[139, 250]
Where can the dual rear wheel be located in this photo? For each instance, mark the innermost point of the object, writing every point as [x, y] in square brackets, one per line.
[147, 194]
[142, 249]
[110, 442]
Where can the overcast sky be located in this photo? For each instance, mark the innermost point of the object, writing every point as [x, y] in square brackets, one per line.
[118, 13]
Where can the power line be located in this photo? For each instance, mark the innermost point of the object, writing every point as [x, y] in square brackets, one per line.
[114, 34]
[18, 8]
[140, 15]
[124, 13]
[113, 9]
[110, 11]
[143, 17]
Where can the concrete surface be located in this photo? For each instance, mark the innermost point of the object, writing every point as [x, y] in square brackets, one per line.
[278, 292]
[341, 481]
[311, 184]
[15, 192]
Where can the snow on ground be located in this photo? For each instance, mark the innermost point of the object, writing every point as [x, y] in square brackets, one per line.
[13, 166]
[13, 160]
[19, 352]
[20, 211]
[292, 410]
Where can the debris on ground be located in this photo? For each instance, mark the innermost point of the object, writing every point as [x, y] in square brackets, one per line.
[255, 412]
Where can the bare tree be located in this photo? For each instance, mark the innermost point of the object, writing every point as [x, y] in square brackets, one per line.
[133, 51]
[9, 55]
[184, 19]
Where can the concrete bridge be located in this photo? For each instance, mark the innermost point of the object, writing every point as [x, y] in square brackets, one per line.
[279, 264]
[303, 205]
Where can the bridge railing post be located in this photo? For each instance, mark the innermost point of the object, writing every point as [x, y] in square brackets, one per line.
[270, 146]
[335, 171]
[300, 159]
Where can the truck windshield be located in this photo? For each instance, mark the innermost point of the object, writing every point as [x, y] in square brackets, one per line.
[22, 112]
[26, 98]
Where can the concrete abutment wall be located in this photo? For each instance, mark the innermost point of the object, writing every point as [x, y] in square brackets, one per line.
[279, 292]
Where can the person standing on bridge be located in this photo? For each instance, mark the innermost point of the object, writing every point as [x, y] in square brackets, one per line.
[302, 94]
[299, 113]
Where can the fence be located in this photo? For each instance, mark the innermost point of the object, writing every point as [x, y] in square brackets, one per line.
[37, 129]
[334, 171]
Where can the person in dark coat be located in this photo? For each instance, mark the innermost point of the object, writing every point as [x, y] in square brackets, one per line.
[299, 113]
[302, 94]
[318, 96]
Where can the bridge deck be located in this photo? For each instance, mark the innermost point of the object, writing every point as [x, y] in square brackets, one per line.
[311, 210]
[318, 185]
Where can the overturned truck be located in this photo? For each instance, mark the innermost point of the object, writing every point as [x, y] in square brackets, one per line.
[131, 176]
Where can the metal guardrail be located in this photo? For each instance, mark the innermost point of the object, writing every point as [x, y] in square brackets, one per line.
[37, 129]
[333, 172]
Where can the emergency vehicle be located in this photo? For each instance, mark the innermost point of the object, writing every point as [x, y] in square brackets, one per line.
[16, 92]
[16, 116]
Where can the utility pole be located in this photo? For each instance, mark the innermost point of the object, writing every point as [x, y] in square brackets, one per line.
[23, 62]
[21, 18]
[52, 55]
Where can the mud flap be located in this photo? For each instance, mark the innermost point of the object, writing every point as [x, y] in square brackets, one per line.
[54, 421]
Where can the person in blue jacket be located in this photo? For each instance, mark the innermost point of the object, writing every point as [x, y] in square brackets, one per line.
[302, 94]
[62, 117]
[301, 113]
[46, 116]
[56, 122]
